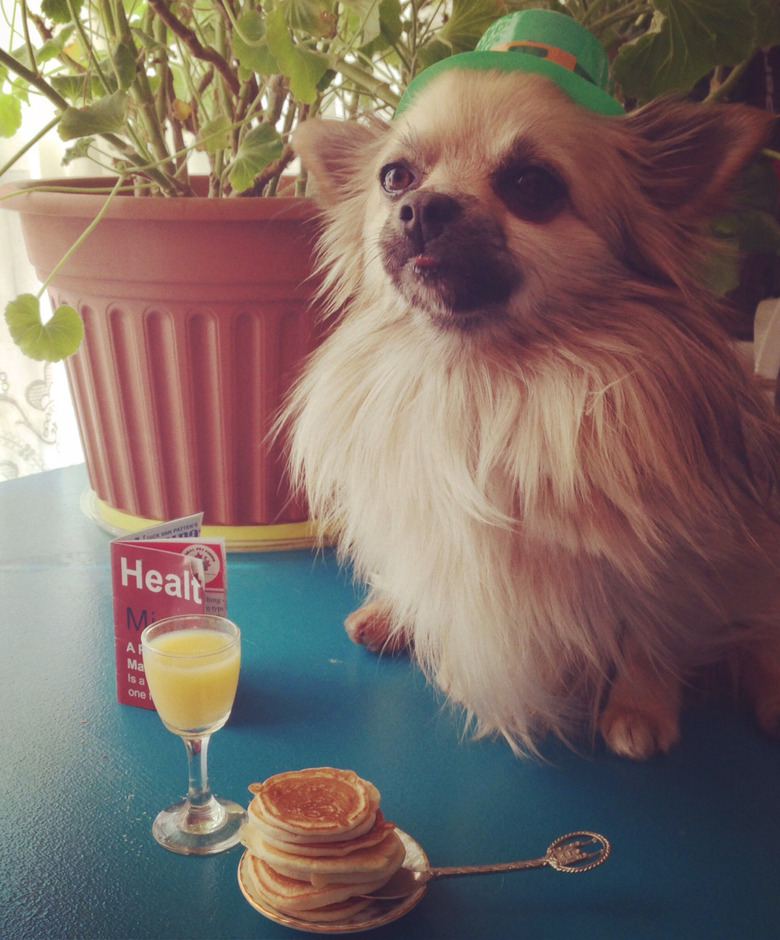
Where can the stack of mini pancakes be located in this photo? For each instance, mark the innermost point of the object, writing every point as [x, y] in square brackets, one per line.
[317, 842]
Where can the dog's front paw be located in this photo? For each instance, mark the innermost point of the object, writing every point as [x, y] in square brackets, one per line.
[768, 715]
[369, 626]
[637, 734]
[761, 681]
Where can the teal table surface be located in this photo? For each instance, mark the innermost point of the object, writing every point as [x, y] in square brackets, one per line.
[695, 834]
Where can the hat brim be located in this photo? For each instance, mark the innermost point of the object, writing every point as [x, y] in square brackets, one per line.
[579, 89]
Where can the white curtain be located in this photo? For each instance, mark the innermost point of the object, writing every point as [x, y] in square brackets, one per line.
[37, 425]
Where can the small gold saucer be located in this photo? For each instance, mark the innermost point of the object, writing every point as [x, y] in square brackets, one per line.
[376, 914]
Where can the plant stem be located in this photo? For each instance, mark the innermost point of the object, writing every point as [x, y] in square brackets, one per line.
[586, 12]
[372, 85]
[83, 235]
[191, 41]
[30, 144]
[27, 41]
[142, 93]
[721, 90]
[628, 13]
[32, 78]
[88, 46]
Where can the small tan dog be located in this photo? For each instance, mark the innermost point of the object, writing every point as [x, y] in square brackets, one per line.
[528, 430]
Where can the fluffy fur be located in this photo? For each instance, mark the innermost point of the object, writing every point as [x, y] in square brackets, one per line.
[563, 491]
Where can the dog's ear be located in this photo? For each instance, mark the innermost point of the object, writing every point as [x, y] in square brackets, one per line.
[691, 153]
[334, 152]
[680, 160]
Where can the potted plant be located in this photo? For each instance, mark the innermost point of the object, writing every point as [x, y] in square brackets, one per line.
[151, 88]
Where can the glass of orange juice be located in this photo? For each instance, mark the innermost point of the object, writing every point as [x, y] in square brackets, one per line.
[191, 664]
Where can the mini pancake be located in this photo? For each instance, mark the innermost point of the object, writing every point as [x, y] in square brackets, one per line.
[313, 805]
[367, 865]
[334, 912]
[283, 835]
[291, 896]
[254, 837]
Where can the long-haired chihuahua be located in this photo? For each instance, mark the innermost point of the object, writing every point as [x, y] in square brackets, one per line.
[529, 430]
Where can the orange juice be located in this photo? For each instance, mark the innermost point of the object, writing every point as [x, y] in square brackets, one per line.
[192, 675]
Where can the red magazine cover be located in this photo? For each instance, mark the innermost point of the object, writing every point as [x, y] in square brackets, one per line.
[154, 576]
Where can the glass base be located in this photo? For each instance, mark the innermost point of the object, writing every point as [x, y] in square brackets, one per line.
[199, 830]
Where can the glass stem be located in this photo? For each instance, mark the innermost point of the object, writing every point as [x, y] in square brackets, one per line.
[202, 811]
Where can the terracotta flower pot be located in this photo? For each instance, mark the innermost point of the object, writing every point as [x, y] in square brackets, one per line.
[197, 314]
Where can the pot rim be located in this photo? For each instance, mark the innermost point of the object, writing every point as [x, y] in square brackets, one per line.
[60, 199]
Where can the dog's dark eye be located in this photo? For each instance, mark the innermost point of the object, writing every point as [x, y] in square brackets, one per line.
[396, 178]
[530, 192]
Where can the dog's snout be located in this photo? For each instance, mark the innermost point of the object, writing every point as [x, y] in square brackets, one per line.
[424, 216]
[447, 256]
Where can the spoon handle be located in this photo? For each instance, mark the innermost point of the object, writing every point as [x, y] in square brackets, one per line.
[566, 853]
[452, 871]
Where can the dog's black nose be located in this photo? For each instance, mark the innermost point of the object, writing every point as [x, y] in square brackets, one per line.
[424, 216]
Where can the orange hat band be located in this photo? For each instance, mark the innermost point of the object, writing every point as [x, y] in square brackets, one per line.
[544, 51]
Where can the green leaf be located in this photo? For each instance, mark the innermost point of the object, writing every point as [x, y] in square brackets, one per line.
[123, 58]
[214, 135]
[366, 20]
[259, 147]
[58, 11]
[433, 51]
[313, 17]
[758, 187]
[752, 231]
[390, 28]
[722, 275]
[150, 43]
[303, 67]
[10, 115]
[688, 39]
[49, 50]
[250, 46]
[106, 116]
[758, 231]
[306, 74]
[77, 87]
[78, 150]
[767, 18]
[468, 21]
[249, 29]
[51, 341]
[461, 32]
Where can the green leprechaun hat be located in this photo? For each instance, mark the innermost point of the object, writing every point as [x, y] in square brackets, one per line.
[541, 41]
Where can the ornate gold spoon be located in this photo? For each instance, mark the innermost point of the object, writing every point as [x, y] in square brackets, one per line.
[566, 853]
